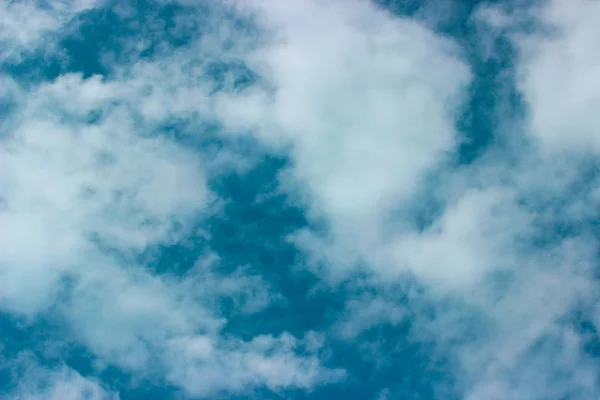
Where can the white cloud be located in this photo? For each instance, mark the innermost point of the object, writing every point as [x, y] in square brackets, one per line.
[365, 104]
[39, 383]
[199, 366]
[71, 183]
[558, 77]
[89, 184]
[363, 100]
[474, 236]
[368, 311]
[27, 26]
[531, 350]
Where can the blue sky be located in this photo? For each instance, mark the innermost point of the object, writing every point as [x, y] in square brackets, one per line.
[299, 200]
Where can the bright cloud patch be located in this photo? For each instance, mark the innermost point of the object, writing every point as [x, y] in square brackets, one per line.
[309, 199]
[36, 382]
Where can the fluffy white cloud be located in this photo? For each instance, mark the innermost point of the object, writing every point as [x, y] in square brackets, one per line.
[365, 104]
[557, 72]
[71, 184]
[26, 26]
[363, 101]
[200, 364]
[368, 311]
[532, 350]
[90, 182]
[38, 383]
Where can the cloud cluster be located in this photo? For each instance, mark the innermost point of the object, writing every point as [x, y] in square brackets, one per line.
[366, 106]
[363, 100]
[29, 26]
[91, 182]
[36, 382]
[556, 72]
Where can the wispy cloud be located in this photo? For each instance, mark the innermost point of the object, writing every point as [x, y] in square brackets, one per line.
[36, 382]
[31, 25]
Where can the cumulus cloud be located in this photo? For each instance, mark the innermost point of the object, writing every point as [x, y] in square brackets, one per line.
[27, 26]
[556, 72]
[36, 382]
[366, 106]
[74, 184]
[91, 182]
[363, 100]
[534, 349]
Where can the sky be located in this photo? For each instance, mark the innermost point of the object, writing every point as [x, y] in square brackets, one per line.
[304, 200]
